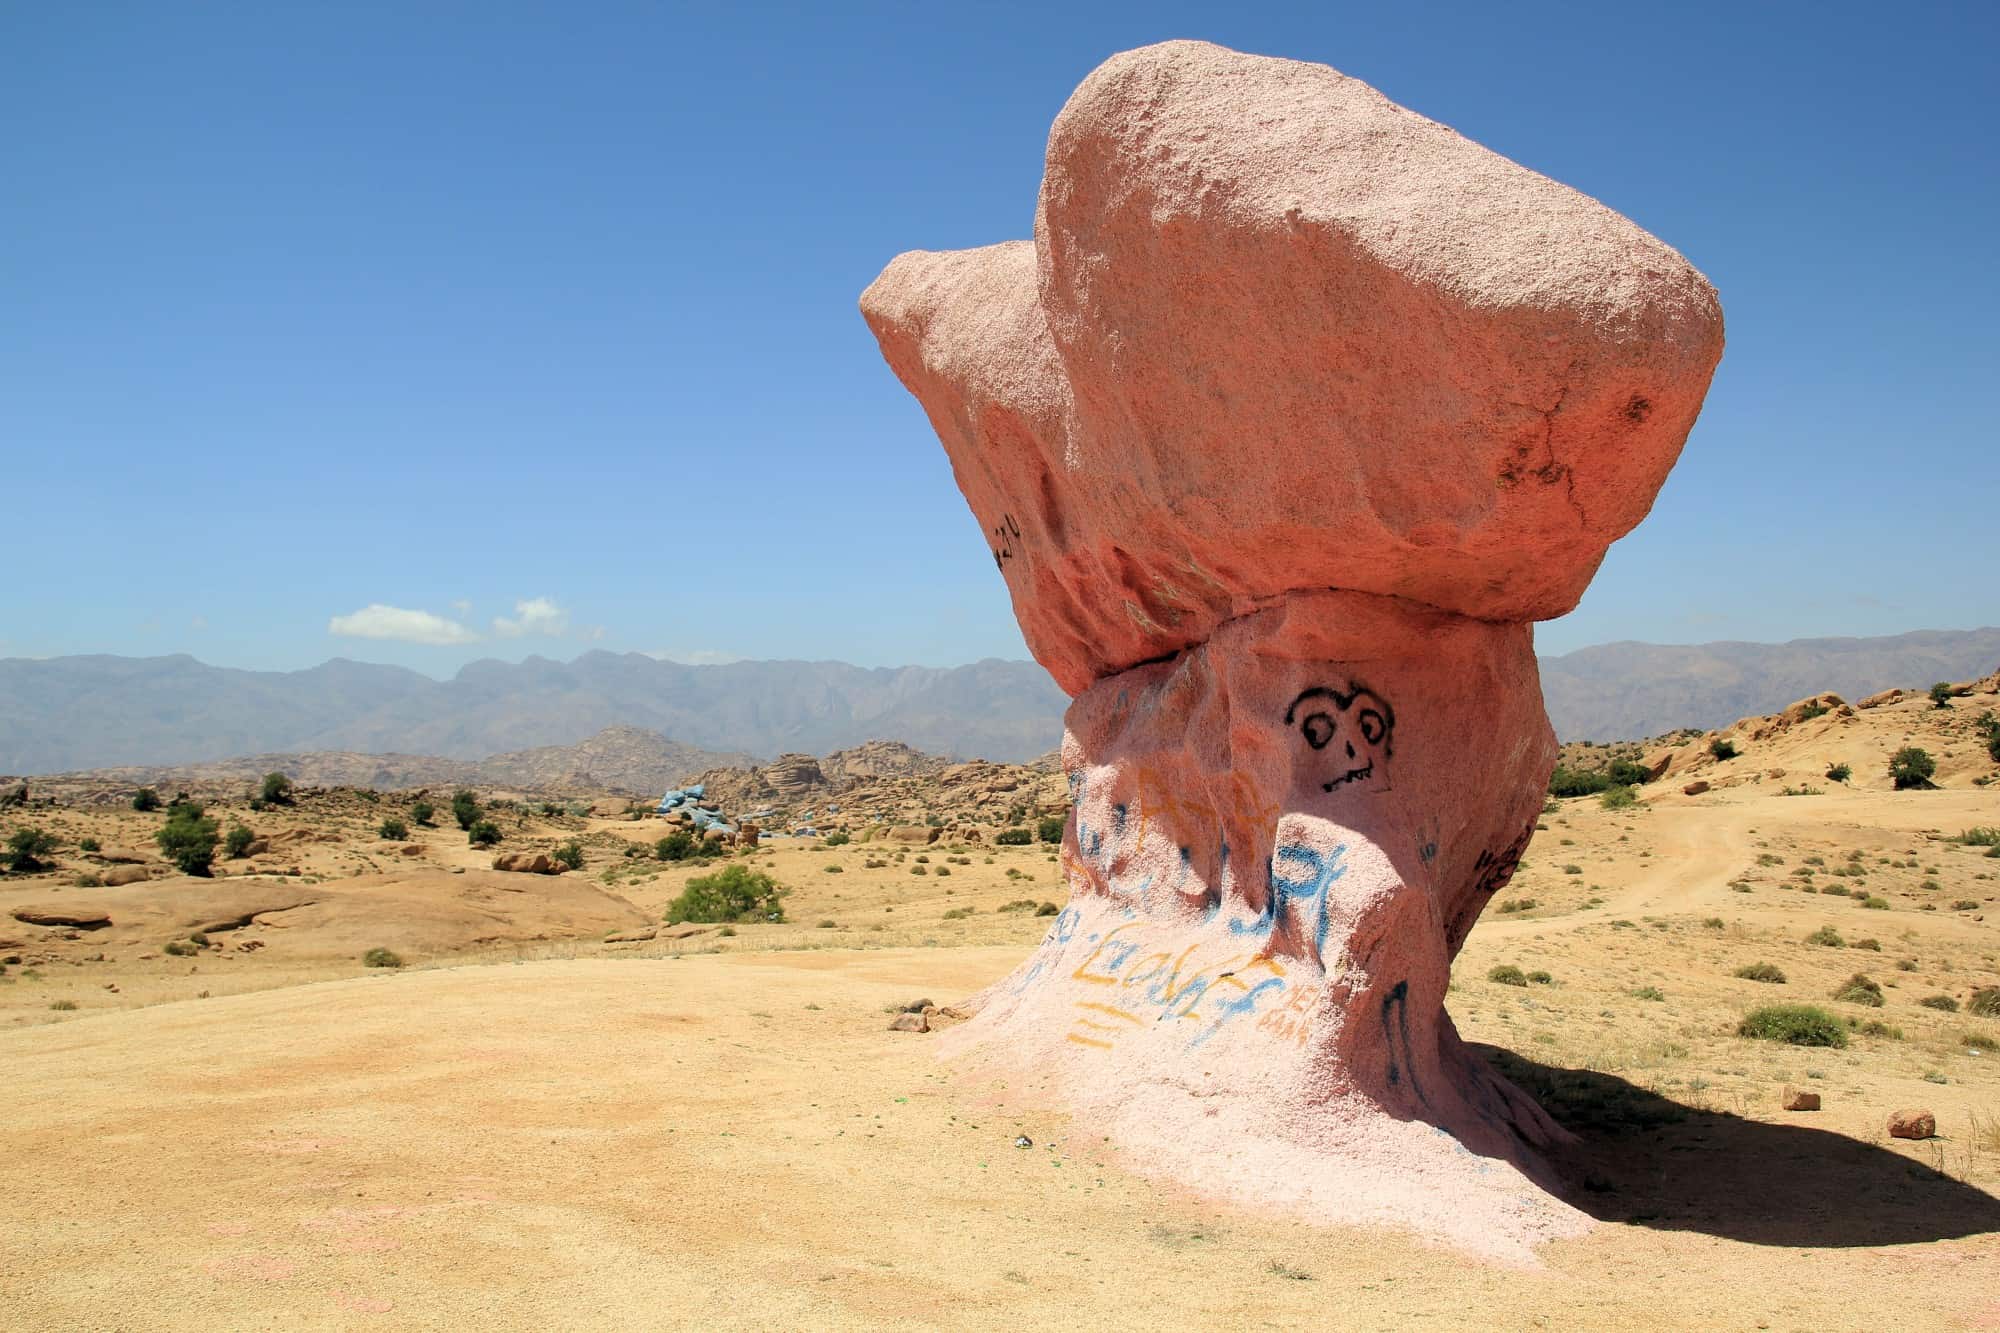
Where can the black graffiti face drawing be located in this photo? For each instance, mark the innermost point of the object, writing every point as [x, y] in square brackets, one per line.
[1351, 732]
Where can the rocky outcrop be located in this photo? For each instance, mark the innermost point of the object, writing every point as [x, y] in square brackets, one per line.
[1276, 336]
[528, 863]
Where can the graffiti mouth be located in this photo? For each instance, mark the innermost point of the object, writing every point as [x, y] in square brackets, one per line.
[1351, 775]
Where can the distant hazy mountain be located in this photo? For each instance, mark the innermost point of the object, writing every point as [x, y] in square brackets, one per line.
[1623, 691]
[69, 713]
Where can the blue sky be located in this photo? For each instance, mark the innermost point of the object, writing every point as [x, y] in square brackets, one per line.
[539, 320]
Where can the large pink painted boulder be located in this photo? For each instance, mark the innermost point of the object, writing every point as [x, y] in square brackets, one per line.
[1295, 413]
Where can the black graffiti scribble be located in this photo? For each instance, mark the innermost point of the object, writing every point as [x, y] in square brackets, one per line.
[1492, 872]
[1008, 532]
[1396, 1035]
[1357, 727]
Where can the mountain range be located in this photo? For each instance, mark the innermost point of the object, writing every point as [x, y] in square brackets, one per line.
[70, 713]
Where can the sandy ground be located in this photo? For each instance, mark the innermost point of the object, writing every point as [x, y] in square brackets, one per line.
[719, 1131]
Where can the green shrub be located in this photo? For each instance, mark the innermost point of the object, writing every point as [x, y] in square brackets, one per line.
[145, 799]
[1985, 1002]
[1981, 836]
[1945, 1003]
[958, 914]
[394, 829]
[277, 789]
[838, 839]
[733, 893]
[1813, 710]
[465, 809]
[676, 846]
[1628, 773]
[835, 868]
[26, 848]
[1047, 909]
[237, 841]
[1018, 905]
[1519, 905]
[381, 958]
[483, 833]
[1649, 993]
[570, 854]
[1576, 782]
[941, 871]
[63, 1006]
[1764, 972]
[1941, 694]
[1540, 978]
[423, 812]
[180, 949]
[1014, 837]
[1827, 938]
[1873, 946]
[920, 870]
[1858, 989]
[188, 839]
[1988, 727]
[1875, 1027]
[1618, 798]
[1912, 767]
[1839, 772]
[1793, 1024]
[1722, 749]
[1965, 905]
[1875, 904]
[1506, 974]
[88, 845]
[1050, 829]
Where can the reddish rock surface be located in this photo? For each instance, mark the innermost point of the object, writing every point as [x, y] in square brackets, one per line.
[1912, 1124]
[1294, 413]
[1797, 1099]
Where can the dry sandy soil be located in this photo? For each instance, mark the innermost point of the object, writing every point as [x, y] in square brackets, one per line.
[527, 1127]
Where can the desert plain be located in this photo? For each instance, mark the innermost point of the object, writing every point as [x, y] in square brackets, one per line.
[560, 1112]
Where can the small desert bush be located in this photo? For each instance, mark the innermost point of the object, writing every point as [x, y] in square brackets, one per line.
[1941, 695]
[1014, 837]
[1874, 904]
[676, 846]
[1618, 798]
[1506, 974]
[1649, 993]
[188, 839]
[145, 799]
[237, 841]
[381, 958]
[28, 848]
[1982, 836]
[483, 833]
[1826, 937]
[733, 893]
[1519, 905]
[88, 845]
[1965, 905]
[1047, 909]
[1943, 1003]
[423, 812]
[62, 1006]
[838, 839]
[1793, 1024]
[1050, 829]
[1859, 989]
[1985, 1002]
[1765, 972]
[1872, 945]
[1721, 748]
[1577, 782]
[395, 830]
[920, 870]
[1018, 905]
[180, 949]
[958, 914]
[277, 789]
[1839, 772]
[1540, 978]
[570, 854]
[1911, 767]
[465, 809]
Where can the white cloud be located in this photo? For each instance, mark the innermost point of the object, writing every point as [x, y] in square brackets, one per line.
[696, 656]
[376, 621]
[536, 615]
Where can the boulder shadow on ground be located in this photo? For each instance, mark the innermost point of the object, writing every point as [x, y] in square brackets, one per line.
[1646, 1160]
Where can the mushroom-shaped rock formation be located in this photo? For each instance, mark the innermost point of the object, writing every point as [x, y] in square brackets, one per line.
[1296, 412]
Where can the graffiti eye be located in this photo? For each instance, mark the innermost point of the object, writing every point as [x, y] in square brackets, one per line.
[1350, 749]
[1373, 726]
[1318, 728]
